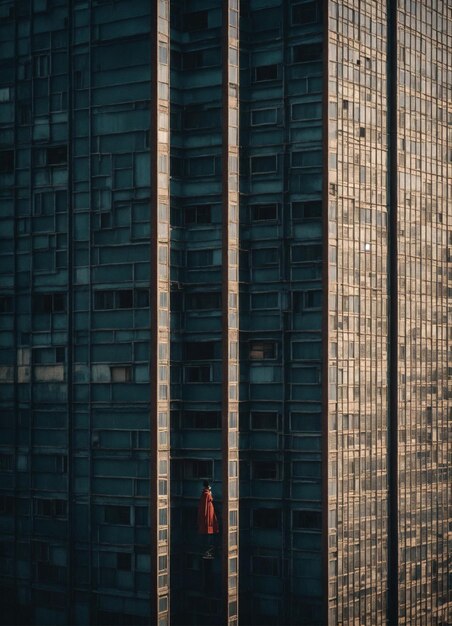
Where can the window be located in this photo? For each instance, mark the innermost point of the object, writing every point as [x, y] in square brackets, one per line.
[124, 299]
[265, 72]
[306, 469]
[263, 257]
[197, 117]
[266, 518]
[115, 514]
[124, 561]
[201, 166]
[208, 420]
[6, 304]
[265, 470]
[198, 374]
[6, 161]
[7, 505]
[6, 462]
[121, 299]
[203, 301]
[44, 507]
[307, 111]
[305, 422]
[264, 420]
[264, 300]
[306, 13]
[197, 20]
[262, 350]
[197, 468]
[307, 300]
[307, 52]
[309, 520]
[265, 565]
[121, 373]
[201, 214]
[203, 258]
[307, 158]
[264, 212]
[307, 253]
[49, 303]
[264, 164]
[200, 350]
[56, 155]
[263, 117]
[311, 209]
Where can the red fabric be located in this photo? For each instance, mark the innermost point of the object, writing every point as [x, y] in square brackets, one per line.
[207, 520]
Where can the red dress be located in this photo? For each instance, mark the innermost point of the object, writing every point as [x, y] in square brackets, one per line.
[207, 520]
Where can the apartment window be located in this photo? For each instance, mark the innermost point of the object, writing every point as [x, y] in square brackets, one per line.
[7, 505]
[6, 161]
[196, 117]
[265, 72]
[306, 13]
[265, 470]
[306, 469]
[259, 350]
[197, 373]
[124, 299]
[124, 561]
[203, 301]
[264, 212]
[307, 111]
[121, 373]
[305, 253]
[42, 65]
[203, 258]
[264, 300]
[307, 300]
[49, 303]
[44, 507]
[264, 164]
[116, 514]
[262, 257]
[305, 422]
[263, 117]
[56, 155]
[203, 420]
[121, 299]
[201, 214]
[6, 462]
[265, 565]
[306, 520]
[307, 158]
[201, 166]
[197, 20]
[266, 518]
[307, 210]
[264, 420]
[6, 304]
[307, 52]
[200, 350]
[198, 468]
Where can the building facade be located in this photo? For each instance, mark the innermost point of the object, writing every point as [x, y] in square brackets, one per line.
[225, 249]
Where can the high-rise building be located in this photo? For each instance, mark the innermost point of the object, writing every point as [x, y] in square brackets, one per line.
[239, 269]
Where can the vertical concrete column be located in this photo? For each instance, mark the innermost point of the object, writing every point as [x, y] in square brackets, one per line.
[230, 287]
[159, 361]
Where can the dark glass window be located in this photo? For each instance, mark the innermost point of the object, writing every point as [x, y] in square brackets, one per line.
[203, 301]
[124, 299]
[263, 164]
[307, 158]
[46, 507]
[266, 72]
[305, 300]
[6, 161]
[307, 52]
[196, 468]
[57, 155]
[307, 252]
[197, 20]
[265, 565]
[263, 117]
[305, 13]
[307, 111]
[124, 561]
[265, 256]
[306, 520]
[265, 470]
[264, 420]
[116, 514]
[49, 302]
[264, 212]
[262, 350]
[6, 304]
[311, 209]
[200, 350]
[266, 518]
[197, 373]
[209, 420]
[198, 214]
[200, 258]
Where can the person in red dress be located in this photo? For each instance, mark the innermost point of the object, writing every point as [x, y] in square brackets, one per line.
[207, 520]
